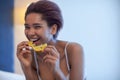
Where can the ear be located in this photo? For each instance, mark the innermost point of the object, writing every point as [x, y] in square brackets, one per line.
[54, 29]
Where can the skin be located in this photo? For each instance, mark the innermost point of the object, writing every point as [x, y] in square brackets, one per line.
[52, 62]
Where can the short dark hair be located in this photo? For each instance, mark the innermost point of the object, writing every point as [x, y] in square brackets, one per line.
[50, 12]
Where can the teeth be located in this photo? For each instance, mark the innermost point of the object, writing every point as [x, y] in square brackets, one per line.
[23, 49]
[33, 39]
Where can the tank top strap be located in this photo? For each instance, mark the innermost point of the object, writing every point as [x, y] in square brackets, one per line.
[66, 56]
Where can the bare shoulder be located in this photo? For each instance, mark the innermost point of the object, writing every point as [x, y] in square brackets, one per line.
[74, 47]
[75, 53]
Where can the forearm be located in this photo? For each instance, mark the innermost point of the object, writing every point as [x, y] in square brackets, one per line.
[30, 74]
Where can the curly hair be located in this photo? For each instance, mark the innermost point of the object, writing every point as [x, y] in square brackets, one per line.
[50, 12]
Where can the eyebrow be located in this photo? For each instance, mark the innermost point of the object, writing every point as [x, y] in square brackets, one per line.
[34, 24]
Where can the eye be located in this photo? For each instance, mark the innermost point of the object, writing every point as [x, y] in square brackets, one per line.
[27, 27]
[37, 26]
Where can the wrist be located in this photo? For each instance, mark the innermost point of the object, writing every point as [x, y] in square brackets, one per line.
[30, 73]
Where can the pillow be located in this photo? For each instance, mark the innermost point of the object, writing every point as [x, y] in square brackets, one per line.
[10, 76]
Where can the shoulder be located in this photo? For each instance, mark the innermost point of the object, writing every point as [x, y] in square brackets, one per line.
[71, 47]
[74, 47]
[76, 60]
[75, 53]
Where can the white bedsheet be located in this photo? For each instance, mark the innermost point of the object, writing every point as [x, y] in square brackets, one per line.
[10, 76]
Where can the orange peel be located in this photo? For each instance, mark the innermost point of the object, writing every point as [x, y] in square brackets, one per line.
[39, 48]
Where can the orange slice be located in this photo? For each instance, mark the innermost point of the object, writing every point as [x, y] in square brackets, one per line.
[39, 48]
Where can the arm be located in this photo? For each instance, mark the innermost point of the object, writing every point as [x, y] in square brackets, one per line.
[76, 61]
[26, 60]
[30, 73]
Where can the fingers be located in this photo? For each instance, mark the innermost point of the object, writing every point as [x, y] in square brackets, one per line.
[52, 51]
[23, 50]
[23, 55]
[50, 59]
[53, 55]
[22, 45]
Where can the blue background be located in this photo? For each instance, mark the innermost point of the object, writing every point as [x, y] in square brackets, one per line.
[6, 35]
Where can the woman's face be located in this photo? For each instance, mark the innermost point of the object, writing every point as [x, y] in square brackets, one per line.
[36, 29]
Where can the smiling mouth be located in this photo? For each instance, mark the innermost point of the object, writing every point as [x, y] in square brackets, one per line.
[34, 40]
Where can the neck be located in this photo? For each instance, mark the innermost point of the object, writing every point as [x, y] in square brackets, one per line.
[52, 42]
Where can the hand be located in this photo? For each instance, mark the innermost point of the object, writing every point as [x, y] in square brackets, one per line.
[25, 57]
[52, 58]
[24, 54]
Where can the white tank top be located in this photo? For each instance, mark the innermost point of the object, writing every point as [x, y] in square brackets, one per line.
[66, 56]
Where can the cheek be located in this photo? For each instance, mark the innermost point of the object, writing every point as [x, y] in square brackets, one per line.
[48, 34]
[26, 33]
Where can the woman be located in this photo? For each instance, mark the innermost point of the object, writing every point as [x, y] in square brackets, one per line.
[60, 60]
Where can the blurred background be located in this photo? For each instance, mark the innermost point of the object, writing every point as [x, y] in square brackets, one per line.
[92, 23]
